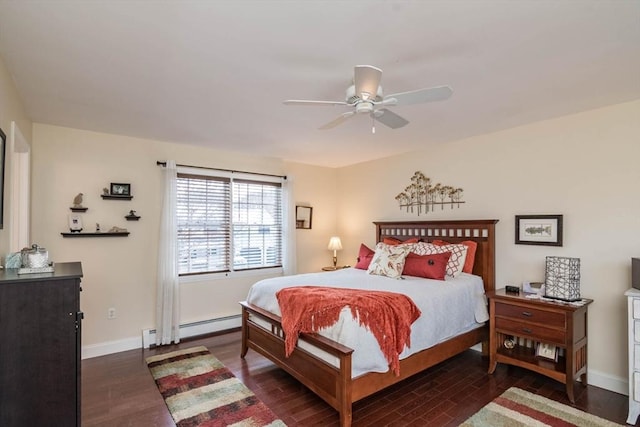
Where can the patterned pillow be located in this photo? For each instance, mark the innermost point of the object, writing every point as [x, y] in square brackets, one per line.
[471, 253]
[458, 255]
[388, 260]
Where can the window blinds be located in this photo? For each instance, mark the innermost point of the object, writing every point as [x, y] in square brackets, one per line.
[226, 224]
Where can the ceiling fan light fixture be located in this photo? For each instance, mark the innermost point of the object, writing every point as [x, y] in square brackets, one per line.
[364, 107]
[365, 96]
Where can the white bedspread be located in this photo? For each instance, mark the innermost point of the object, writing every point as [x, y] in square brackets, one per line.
[449, 308]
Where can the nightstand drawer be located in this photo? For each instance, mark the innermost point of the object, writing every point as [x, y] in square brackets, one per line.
[524, 329]
[550, 318]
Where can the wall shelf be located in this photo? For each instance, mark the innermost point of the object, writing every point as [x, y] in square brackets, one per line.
[78, 209]
[115, 197]
[105, 234]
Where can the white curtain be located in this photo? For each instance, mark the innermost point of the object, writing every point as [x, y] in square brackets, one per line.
[168, 292]
[289, 228]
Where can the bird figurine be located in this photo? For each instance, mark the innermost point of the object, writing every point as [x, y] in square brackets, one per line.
[77, 201]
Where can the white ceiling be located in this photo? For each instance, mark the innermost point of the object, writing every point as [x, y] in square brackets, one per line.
[215, 73]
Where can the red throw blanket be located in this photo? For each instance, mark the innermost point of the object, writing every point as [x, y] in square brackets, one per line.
[387, 315]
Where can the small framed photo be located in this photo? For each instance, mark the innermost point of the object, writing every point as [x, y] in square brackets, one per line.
[75, 223]
[303, 217]
[547, 351]
[539, 230]
[120, 189]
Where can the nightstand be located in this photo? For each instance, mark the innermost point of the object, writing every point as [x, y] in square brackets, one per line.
[518, 325]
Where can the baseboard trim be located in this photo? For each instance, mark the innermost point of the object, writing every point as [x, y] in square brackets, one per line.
[608, 382]
[110, 347]
[188, 330]
[195, 329]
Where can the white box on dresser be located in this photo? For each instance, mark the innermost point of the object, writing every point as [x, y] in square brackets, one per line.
[633, 299]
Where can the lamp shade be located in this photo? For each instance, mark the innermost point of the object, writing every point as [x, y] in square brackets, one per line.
[335, 244]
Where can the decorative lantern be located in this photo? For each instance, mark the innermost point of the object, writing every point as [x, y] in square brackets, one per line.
[562, 278]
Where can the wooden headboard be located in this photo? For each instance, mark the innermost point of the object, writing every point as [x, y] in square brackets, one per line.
[481, 231]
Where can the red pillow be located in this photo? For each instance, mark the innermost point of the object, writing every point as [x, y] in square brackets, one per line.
[471, 253]
[365, 255]
[393, 241]
[428, 266]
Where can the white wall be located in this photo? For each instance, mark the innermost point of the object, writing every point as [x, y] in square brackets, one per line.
[316, 187]
[120, 272]
[584, 166]
[11, 110]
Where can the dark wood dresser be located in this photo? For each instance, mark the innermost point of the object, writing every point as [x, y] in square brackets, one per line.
[40, 330]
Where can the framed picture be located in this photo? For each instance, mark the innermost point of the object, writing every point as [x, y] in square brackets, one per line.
[539, 230]
[75, 223]
[547, 351]
[3, 144]
[120, 189]
[303, 217]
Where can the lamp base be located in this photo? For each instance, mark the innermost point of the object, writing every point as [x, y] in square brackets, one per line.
[335, 261]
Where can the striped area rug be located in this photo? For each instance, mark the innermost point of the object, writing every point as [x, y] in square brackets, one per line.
[200, 391]
[516, 407]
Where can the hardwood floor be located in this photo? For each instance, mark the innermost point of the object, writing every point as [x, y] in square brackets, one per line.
[117, 390]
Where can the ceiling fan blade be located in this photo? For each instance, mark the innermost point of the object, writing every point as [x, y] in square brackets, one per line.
[313, 103]
[341, 118]
[419, 96]
[366, 79]
[389, 118]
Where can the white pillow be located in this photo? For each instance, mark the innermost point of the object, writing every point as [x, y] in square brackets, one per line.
[458, 255]
[388, 260]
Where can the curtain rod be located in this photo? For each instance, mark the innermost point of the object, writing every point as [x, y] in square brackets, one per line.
[164, 164]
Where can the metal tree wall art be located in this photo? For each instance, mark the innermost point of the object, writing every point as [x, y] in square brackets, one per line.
[422, 196]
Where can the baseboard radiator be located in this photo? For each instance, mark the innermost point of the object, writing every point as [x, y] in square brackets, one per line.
[195, 329]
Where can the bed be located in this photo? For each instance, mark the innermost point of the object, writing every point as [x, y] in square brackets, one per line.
[326, 366]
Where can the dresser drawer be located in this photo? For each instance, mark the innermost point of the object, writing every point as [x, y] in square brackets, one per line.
[636, 308]
[636, 331]
[636, 357]
[550, 318]
[536, 332]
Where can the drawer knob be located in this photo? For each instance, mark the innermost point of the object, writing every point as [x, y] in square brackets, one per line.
[527, 314]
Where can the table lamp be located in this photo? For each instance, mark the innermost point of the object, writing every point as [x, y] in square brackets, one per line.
[335, 245]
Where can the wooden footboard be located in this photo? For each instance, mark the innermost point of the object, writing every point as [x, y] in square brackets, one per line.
[334, 384]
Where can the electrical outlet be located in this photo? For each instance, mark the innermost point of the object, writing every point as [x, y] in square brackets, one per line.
[111, 313]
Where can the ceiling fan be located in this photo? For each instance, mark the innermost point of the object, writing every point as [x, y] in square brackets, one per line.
[365, 96]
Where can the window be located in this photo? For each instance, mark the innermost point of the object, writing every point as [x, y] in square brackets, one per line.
[228, 224]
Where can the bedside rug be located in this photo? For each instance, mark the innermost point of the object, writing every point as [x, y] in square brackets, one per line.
[516, 407]
[200, 391]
